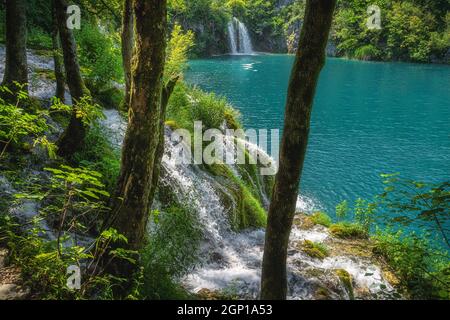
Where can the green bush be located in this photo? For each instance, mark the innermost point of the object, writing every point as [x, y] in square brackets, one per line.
[39, 39]
[171, 252]
[188, 105]
[423, 270]
[348, 230]
[18, 121]
[98, 154]
[367, 52]
[71, 203]
[321, 218]
[315, 249]
[100, 56]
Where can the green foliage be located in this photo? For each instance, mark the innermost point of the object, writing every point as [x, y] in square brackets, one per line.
[364, 213]
[74, 200]
[367, 52]
[177, 51]
[346, 280]
[423, 271]
[98, 154]
[39, 39]
[187, 105]
[321, 218]
[411, 233]
[315, 249]
[416, 204]
[348, 230]
[174, 241]
[411, 30]
[88, 111]
[17, 123]
[208, 20]
[72, 204]
[100, 56]
[342, 210]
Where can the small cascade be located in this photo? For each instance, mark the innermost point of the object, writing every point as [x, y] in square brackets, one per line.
[240, 41]
[231, 260]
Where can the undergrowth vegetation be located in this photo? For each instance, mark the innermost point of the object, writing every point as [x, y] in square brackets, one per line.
[419, 259]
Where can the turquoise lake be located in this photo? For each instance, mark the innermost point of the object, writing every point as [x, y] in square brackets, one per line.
[369, 118]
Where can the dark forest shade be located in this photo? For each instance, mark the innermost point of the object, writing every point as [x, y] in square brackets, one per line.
[16, 68]
[309, 61]
[73, 137]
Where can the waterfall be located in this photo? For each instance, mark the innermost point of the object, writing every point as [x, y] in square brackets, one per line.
[240, 41]
[231, 260]
[232, 36]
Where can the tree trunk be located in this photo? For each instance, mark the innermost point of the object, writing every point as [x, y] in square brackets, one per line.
[73, 137]
[166, 93]
[127, 47]
[16, 66]
[309, 61]
[132, 201]
[57, 58]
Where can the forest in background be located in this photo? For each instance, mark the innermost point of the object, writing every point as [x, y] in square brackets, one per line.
[412, 30]
[85, 180]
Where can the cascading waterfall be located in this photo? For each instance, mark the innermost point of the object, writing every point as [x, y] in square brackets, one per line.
[231, 260]
[240, 41]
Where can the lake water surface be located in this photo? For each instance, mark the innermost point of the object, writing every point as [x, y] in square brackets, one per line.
[369, 118]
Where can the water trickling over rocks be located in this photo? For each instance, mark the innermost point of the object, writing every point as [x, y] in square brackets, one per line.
[231, 257]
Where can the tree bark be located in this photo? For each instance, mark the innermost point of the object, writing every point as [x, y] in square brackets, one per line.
[132, 202]
[73, 138]
[16, 66]
[309, 61]
[127, 47]
[57, 59]
[166, 93]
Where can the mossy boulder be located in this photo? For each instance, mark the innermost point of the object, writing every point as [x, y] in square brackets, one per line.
[346, 280]
[243, 205]
[346, 230]
[314, 249]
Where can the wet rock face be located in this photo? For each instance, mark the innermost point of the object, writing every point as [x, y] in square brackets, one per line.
[40, 71]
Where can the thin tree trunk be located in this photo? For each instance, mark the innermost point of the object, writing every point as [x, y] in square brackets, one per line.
[73, 137]
[127, 47]
[132, 201]
[57, 58]
[16, 66]
[167, 92]
[309, 61]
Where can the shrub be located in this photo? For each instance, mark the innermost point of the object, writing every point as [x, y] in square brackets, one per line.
[342, 210]
[321, 218]
[39, 39]
[98, 154]
[347, 230]
[187, 105]
[315, 249]
[171, 252]
[100, 56]
[367, 52]
[422, 270]
[17, 122]
[71, 205]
